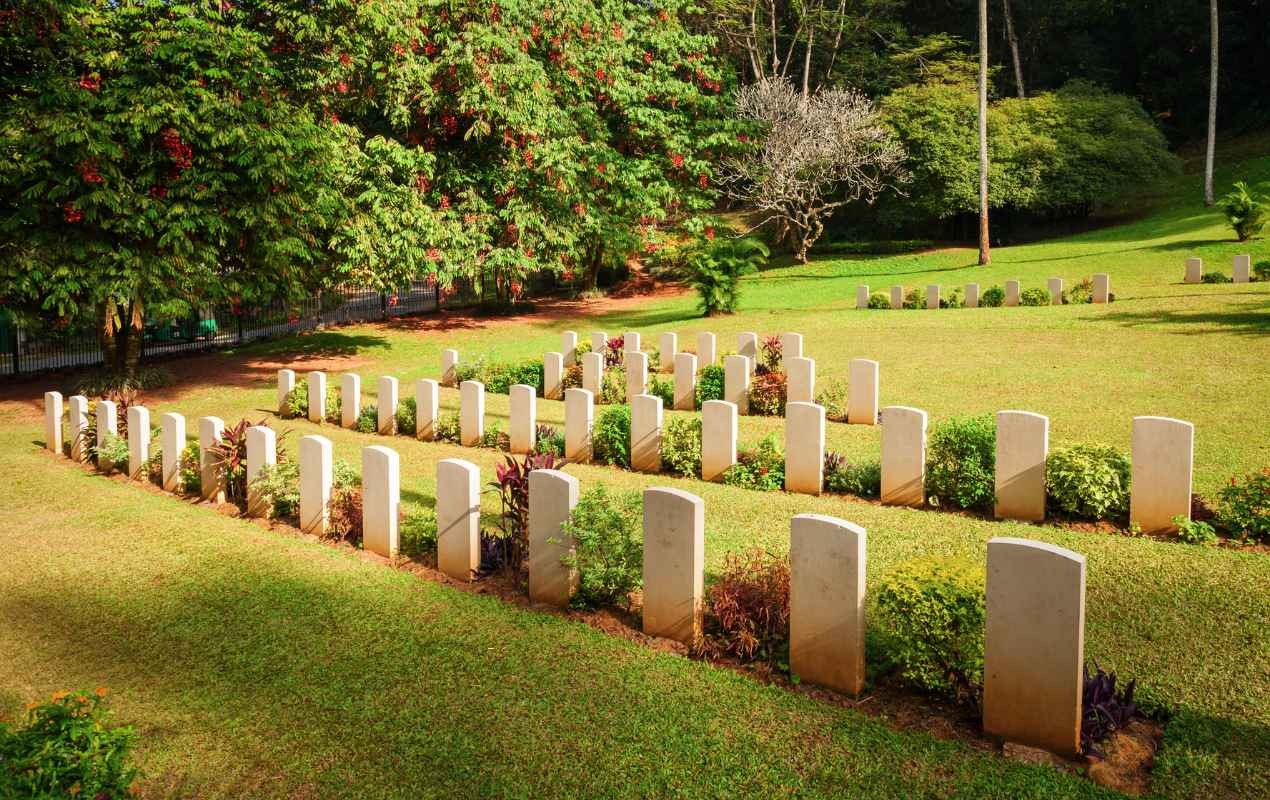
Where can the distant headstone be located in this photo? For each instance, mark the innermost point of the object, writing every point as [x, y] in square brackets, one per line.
[897, 297]
[1243, 268]
[747, 345]
[862, 392]
[579, 410]
[736, 382]
[932, 296]
[1011, 293]
[636, 374]
[826, 602]
[674, 564]
[350, 399]
[138, 440]
[286, 382]
[569, 347]
[553, 376]
[903, 456]
[646, 422]
[317, 396]
[459, 518]
[718, 439]
[1194, 270]
[685, 382]
[631, 342]
[449, 367]
[107, 425]
[523, 428]
[78, 417]
[599, 342]
[1056, 291]
[804, 448]
[1102, 287]
[262, 451]
[791, 347]
[427, 409]
[862, 297]
[381, 500]
[1021, 449]
[801, 379]
[471, 413]
[706, 350]
[1034, 637]
[972, 295]
[593, 373]
[667, 349]
[172, 445]
[315, 484]
[211, 475]
[1163, 465]
[53, 422]
[386, 405]
[552, 496]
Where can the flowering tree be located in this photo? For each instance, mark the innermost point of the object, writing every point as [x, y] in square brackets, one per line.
[816, 155]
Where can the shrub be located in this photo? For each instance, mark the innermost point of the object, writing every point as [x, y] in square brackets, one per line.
[913, 299]
[1081, 292]
[1261, 271]
[747, 608]
[932, 610]
[297, 402]
[104, 383]
[1104, 709]
[1036, 296]
[278, 486]
[681, 446]
[548, 440]
[879, 300]
[611, 436]
[1244, 508]
[229, 454]
[832, 395]
[992, 297]
[715, 271]
[449, 427]
[1194, 531]
[710, 384]
[952, 299]
[1246, 211]
[768, 394]
[608, 536]
[112, 453]
[345, 518]
[772, 353]
[67, 749]
[511, 482]
[1090, 481]
[615, 351]
[495, 438]
[190, 469]
[407, 417]
[961, 463]
[418, 535]
[154, 465]
[333, 405]
[1215, 277]
[368, 419]
[664, 388]
[762, 467]
[572, 378]
[613, 387]
[842, 477]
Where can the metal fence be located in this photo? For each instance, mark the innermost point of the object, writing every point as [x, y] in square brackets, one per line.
[24, 351]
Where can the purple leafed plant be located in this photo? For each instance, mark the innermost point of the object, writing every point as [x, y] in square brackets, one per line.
[509, 548]
[613, 351]
[1105, 709]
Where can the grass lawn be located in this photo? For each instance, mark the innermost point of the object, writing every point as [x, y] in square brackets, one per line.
[260, 664]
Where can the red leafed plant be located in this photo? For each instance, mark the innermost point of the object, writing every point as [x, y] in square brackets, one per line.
[614, 351]
[346, 515]
[510, 547]
[747, 609]
[772, 349]
[768, 394]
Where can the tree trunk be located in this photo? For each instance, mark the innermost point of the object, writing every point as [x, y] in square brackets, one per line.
[119, 333]
[1212, 103]
[1013, 40]
[985, 255]
[594, 259]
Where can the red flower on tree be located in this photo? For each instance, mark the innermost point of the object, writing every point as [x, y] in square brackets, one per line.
[677, 160]
[72, 214]
[90, 82]
[88, 171]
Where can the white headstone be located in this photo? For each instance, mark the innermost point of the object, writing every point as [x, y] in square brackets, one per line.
[1021, 450]
[667, 349]
[932, 296]
[706, 349]
[747, 346]
[636, 374]
[862, 392]
[736, 382]
[1102, 287]
[1163, 466]
[1194, 270]
[350, 399]
[569, 347]
[674, 564]
[801, 379]
[685, 382]
[599, 342]
[471, 413]
[381, 499]
[458, 518]
[972, 295]
[646, 421]
[1011, 293]
[211, 475]
[317, 396]
[386, 405]
[427, 408]
[791, 347]
[804, 448]
[53, 422]
[903, 456]
[826, 602]
[524, 418]
[897, 297]
[579, 411]
[718, 439]
[553, 376]
[315, 484]
[449, 367]
[1242, 268]
[78, 414]
[107, 425]
[262, 451]
[862, 297]
[552, 496]
[630, 342]
[172, 445]
[286, 382]
[593, 373]
[1055, 286]
[138, 440]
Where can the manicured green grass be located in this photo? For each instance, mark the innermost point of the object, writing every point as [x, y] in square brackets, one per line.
[264, 665]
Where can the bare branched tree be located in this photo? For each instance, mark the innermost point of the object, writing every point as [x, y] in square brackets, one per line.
[817, 154]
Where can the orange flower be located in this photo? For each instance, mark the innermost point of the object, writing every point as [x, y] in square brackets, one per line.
[101, 691]
[60, 696]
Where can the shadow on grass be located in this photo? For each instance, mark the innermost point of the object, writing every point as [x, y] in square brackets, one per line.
[1246, 323]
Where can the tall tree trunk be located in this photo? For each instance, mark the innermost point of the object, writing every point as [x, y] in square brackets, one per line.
[595, 258]
[1212, 103]
[119, 333]
[985, 255]
[1013, 40]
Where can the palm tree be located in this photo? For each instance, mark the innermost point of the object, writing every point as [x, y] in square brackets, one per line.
[1212, 102]
[985, 255]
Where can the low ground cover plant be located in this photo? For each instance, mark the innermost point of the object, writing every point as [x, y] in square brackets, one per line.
[67, 748]
[992, 297]
[831, 394]
[1105, 709]
[961, 462]
[548, 440]
[191, 471]
[1081, 292]
[1035, 296]
[112, 453]
[1194, 531]
[608, 535]
[747, 609]
[862, 479]
[710, 384]
[1244, 506]
[417, 537]
[681, 446]
[931, 613]
[611, 436]
[1089, 481]
[879, 300]
[761, 467]
[1215, 277]
[407, 417]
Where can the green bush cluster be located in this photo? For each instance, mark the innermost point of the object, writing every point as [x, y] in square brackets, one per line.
[611, 436]
[961, 463]
[1081, 292]
[418, 535]
[190, 469]
[681, 446]
[608, 553]
[498, 378]
[862, 480]
[1035, 296]
[407, 417]
[715, 270]
[1244, 509]
[112, 453]
[931, 613]
[368, 419]
[1090, 481]
[992, 297]
[278, 486]
[879, 300]
[1215, 277]
[664, 388]
[761, 467]
[449, 427]
[710, 384]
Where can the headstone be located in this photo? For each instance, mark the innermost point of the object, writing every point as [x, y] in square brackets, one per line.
[1194, 270]
[427, 408]
[78, 425]
[1056, 291]
[386, 405]
[599, 342]
[685, 382]
[1011, 293]
[315, 484]
[1021, 450]
[718, 439]
[381, 499]
[553, 376]
[552, 496]
[636, 374]
[172, 444]
[458, 518]
[449, 367]
[791, 347]
[350, 399]
[1034, 637]
[471, 413]
[593, 373]
[53, 422]
[804, 448]
[524, 418]
[1163, 464]
[579, 410]
[262, 451]
[1242, 268]
[286, 383]
[747, 345]
[826, 602]
[862, 392]
[211, 475]
[932, 296]
[736, 382]
[862, 297]
[138, 440]
[800, 380]
[903, 456]
[107, 425]
[646, 420]
[630, 342]
[569, 347]
[667, 349]
[706, 349]
[317, 396]
[972, 295]
[897, 297]
[1102, 287]
[674, 564]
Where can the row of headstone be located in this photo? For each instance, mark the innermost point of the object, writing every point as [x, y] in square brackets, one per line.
[1241, 269]
[1102, 293]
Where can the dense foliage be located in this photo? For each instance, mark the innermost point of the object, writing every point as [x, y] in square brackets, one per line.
[1244, 509]
[761, 467]
[715, 271]
[608, 537]
[681, 446]
[747, 608]
[1090, 481]
[611, 436]
[1247, 211]
[961, 462]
